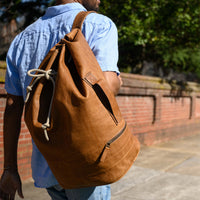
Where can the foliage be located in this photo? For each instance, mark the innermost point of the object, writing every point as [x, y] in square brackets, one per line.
[26, 10]
[165, 32]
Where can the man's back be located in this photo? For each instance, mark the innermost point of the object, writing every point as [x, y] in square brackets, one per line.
[30, 47]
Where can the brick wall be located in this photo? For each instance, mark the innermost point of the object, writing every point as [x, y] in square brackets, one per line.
[154, 110]
[157, 111]
[2, 107]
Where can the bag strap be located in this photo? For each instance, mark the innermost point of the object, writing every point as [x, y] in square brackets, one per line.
[79, 19]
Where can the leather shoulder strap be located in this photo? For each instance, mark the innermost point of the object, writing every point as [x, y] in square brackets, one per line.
[79, 19]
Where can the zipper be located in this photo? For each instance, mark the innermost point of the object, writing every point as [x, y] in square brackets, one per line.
[108, 144]
[108, 109]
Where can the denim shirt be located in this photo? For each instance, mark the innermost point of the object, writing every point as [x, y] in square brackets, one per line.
[30, 47]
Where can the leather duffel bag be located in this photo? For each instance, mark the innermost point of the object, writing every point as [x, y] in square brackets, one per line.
[74, 118]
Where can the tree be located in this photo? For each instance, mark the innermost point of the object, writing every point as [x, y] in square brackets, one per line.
[19, 12]
[164, 32]
[29, 10]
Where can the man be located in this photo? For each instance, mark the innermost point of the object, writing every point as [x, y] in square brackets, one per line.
[26, 52]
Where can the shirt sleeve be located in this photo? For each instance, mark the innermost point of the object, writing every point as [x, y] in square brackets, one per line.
[12, 79]
[103, 40]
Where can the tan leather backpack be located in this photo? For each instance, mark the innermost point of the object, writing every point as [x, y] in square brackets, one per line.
[74, 119]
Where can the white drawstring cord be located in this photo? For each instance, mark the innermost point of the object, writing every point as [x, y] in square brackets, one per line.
[49, 75]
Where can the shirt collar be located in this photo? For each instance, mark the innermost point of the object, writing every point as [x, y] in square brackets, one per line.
[57, 10]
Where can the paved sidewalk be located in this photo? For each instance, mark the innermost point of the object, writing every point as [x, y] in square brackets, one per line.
[168, 171]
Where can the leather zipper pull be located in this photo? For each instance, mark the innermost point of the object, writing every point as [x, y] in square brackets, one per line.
[104, 153]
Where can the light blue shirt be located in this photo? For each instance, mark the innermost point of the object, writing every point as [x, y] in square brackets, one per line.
[30, 47]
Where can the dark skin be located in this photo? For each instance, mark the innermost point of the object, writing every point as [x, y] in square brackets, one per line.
[10, 181]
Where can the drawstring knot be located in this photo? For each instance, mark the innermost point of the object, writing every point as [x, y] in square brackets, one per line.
[49, 75]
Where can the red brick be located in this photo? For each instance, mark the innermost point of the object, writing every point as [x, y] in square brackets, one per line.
[149, 108]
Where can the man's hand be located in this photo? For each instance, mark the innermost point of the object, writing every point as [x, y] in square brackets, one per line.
[10, 182]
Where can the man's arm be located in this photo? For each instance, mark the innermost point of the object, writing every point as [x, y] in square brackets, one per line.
[10, 181]
[114, 81]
